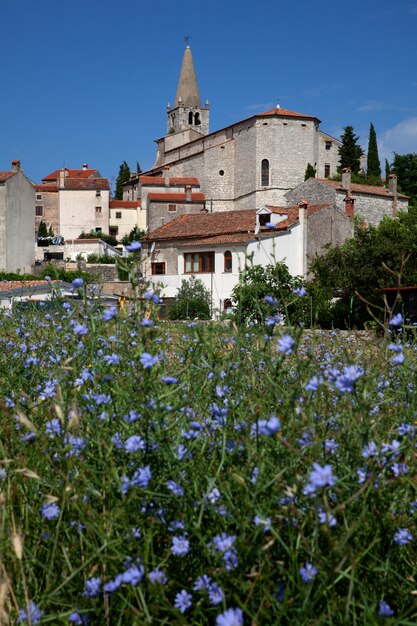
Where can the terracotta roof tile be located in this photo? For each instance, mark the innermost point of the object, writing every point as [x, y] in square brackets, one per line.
[175, 181]
[5, 175]
[284, 113]
[72, 174]
[225, 227]
[86, 183]
[175, 197]
[46, 188]
[6, 285]
[124, 204]
[373, 190]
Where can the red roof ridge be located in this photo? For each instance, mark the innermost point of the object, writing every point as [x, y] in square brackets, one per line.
[114, 204]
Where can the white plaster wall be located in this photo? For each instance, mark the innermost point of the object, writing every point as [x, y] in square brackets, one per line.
[77, 212]
[131, 217]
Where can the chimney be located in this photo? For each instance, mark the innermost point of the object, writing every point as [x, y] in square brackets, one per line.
[62, 175]
[350, 206]
[85, 166]
[302, 216]
[346, 179]
[16, 166]
[393, 190]
[166, 176]
[188, 193]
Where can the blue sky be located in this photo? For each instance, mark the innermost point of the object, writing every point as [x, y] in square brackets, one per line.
[88, 81]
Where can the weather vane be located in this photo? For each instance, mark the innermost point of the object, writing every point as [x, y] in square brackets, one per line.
[187, 39]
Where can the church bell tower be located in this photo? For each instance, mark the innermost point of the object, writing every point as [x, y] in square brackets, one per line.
[187, 113]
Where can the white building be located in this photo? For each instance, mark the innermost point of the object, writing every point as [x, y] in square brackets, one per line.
[216, 246]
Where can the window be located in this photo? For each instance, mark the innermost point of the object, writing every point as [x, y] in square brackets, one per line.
[38, 196]
[172, 208]
[118, 215]
[198, 262]
[98, 230]
[264, 172]
[190, 118]
[98, 210]
[113, 231]
[197, 120]
[326, 170]
[328, 145]
[264, 218]
[38, 211]
[227, 261]
[221, 172]
[158, 268]
[228, 306]
[98, 192]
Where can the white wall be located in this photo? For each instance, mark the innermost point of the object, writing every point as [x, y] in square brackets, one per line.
[77, 211]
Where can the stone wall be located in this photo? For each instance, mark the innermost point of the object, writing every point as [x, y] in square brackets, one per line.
[328, 226]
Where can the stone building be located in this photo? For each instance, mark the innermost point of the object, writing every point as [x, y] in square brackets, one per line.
[246, 165]
[71, 201]
[17, 221]
[370, 202]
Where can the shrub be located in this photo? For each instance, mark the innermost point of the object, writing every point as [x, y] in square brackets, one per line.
[193, 301]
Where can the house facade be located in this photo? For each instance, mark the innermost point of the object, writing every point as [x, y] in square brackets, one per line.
[17, 220]
[125, 215]
[72, 201]
[215, 247]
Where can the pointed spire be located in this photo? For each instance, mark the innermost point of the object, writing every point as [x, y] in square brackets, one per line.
[187, 92]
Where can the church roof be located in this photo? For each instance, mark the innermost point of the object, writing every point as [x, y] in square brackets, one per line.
[187, 91]
[278, 111]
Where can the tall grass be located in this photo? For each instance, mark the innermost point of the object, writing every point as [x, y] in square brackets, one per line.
[203, 475]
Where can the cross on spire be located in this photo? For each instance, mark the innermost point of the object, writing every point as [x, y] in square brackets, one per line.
[187, 39]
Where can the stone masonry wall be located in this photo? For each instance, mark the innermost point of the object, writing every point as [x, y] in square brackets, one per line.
[328, 226]
[372, 208]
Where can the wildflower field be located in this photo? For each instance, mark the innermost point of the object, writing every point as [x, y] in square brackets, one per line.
[201, 474]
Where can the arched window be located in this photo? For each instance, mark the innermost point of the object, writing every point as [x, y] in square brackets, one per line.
[190, 117]
[197, 120]
[265, 173]
[228, 306]
[227, 261]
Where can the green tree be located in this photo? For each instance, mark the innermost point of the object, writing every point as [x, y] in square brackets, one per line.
[135, 235]
[97, 234]
[373, 163]
[377, 257]
[42, 229]
[310, 172]
[405, 167]
[387, 171]
[350, 151]
[273, 281]
[193, 300]
[123, 177]
[138, 168]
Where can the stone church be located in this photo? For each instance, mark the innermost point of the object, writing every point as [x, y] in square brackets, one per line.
[247, 165]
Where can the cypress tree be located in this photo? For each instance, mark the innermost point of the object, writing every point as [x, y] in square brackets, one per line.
[42, 229]
[373, 164]
[310, 172]
[387, 171]
[123, 177]
[350, 151]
